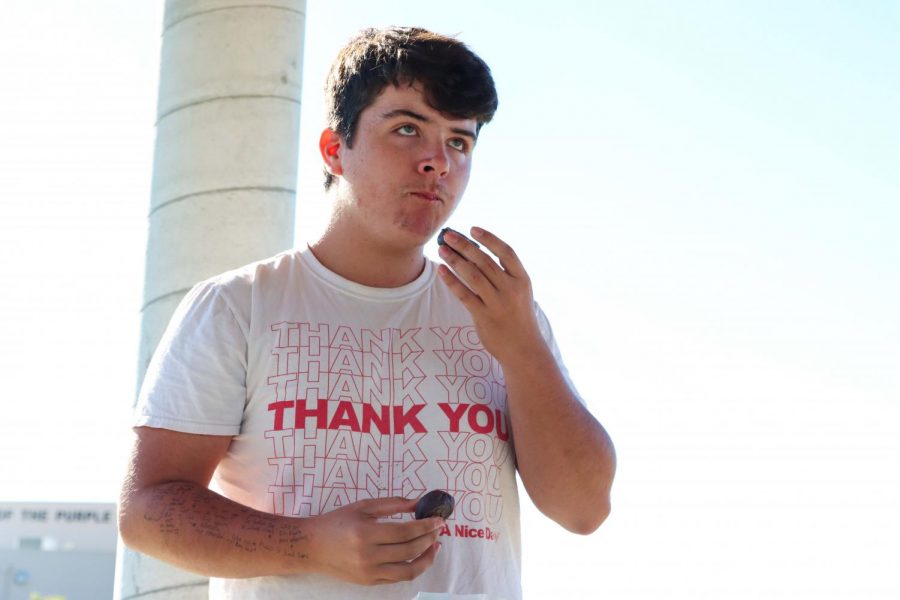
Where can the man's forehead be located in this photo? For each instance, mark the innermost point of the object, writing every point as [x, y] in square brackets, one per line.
[410, 100]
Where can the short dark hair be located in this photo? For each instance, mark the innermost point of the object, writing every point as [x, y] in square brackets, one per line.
[454, 79]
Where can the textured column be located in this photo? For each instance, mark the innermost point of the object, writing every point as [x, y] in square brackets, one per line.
[224, 177]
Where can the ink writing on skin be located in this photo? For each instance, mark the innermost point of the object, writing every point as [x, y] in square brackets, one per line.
[183, 506]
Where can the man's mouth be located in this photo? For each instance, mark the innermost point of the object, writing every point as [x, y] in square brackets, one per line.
[429, 196]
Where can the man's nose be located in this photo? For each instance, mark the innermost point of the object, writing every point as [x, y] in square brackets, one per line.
[436, 162]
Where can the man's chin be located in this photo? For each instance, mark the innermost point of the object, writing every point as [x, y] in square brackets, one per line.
[422, 231]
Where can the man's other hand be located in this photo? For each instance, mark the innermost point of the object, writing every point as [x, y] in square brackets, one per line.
[356, 544]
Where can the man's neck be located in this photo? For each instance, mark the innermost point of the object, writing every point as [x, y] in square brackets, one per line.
[365, 261]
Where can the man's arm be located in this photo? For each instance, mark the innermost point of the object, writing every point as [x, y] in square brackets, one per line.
[565, 458]
[167, 511]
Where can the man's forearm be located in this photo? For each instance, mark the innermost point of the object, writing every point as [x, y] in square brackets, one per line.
[200, 531]
[565, 458]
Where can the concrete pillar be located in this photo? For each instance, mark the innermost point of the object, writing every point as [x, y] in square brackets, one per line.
[224, 178]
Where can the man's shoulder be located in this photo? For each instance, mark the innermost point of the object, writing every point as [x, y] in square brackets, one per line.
[250, 274]
[236, 288]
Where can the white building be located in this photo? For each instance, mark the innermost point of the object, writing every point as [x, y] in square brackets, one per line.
[57, 551]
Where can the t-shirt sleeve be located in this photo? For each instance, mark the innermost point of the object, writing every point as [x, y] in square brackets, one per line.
[547, 332]
[196, 380]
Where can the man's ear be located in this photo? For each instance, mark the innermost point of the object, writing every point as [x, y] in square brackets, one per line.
[330, 145]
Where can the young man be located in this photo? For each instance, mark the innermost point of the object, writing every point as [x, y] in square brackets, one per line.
[324, 390]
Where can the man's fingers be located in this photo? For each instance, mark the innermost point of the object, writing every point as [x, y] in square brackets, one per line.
[407, 571]
[400, 533]
[470, 273]
[480, 273]
[471, 253]
[385, 507]
[509, 260]
[394, 553]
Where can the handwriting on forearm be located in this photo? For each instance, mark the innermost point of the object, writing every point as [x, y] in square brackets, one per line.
[186, 509]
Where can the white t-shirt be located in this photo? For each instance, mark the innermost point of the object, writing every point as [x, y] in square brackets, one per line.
[337, 392]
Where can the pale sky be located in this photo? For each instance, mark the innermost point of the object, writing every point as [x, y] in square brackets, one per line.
[706, 196]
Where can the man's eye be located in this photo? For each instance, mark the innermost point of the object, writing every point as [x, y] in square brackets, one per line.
[459, 144]
[406, 130]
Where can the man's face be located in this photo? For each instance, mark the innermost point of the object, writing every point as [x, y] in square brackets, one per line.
[407, 169]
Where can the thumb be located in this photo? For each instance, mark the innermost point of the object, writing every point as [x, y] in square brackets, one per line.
[384, 507]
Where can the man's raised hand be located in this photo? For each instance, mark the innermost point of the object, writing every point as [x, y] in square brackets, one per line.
[498, 296]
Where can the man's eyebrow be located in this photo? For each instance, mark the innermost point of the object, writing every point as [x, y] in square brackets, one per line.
[403, 112]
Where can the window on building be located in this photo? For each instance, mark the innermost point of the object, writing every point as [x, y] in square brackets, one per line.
[30, 543]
